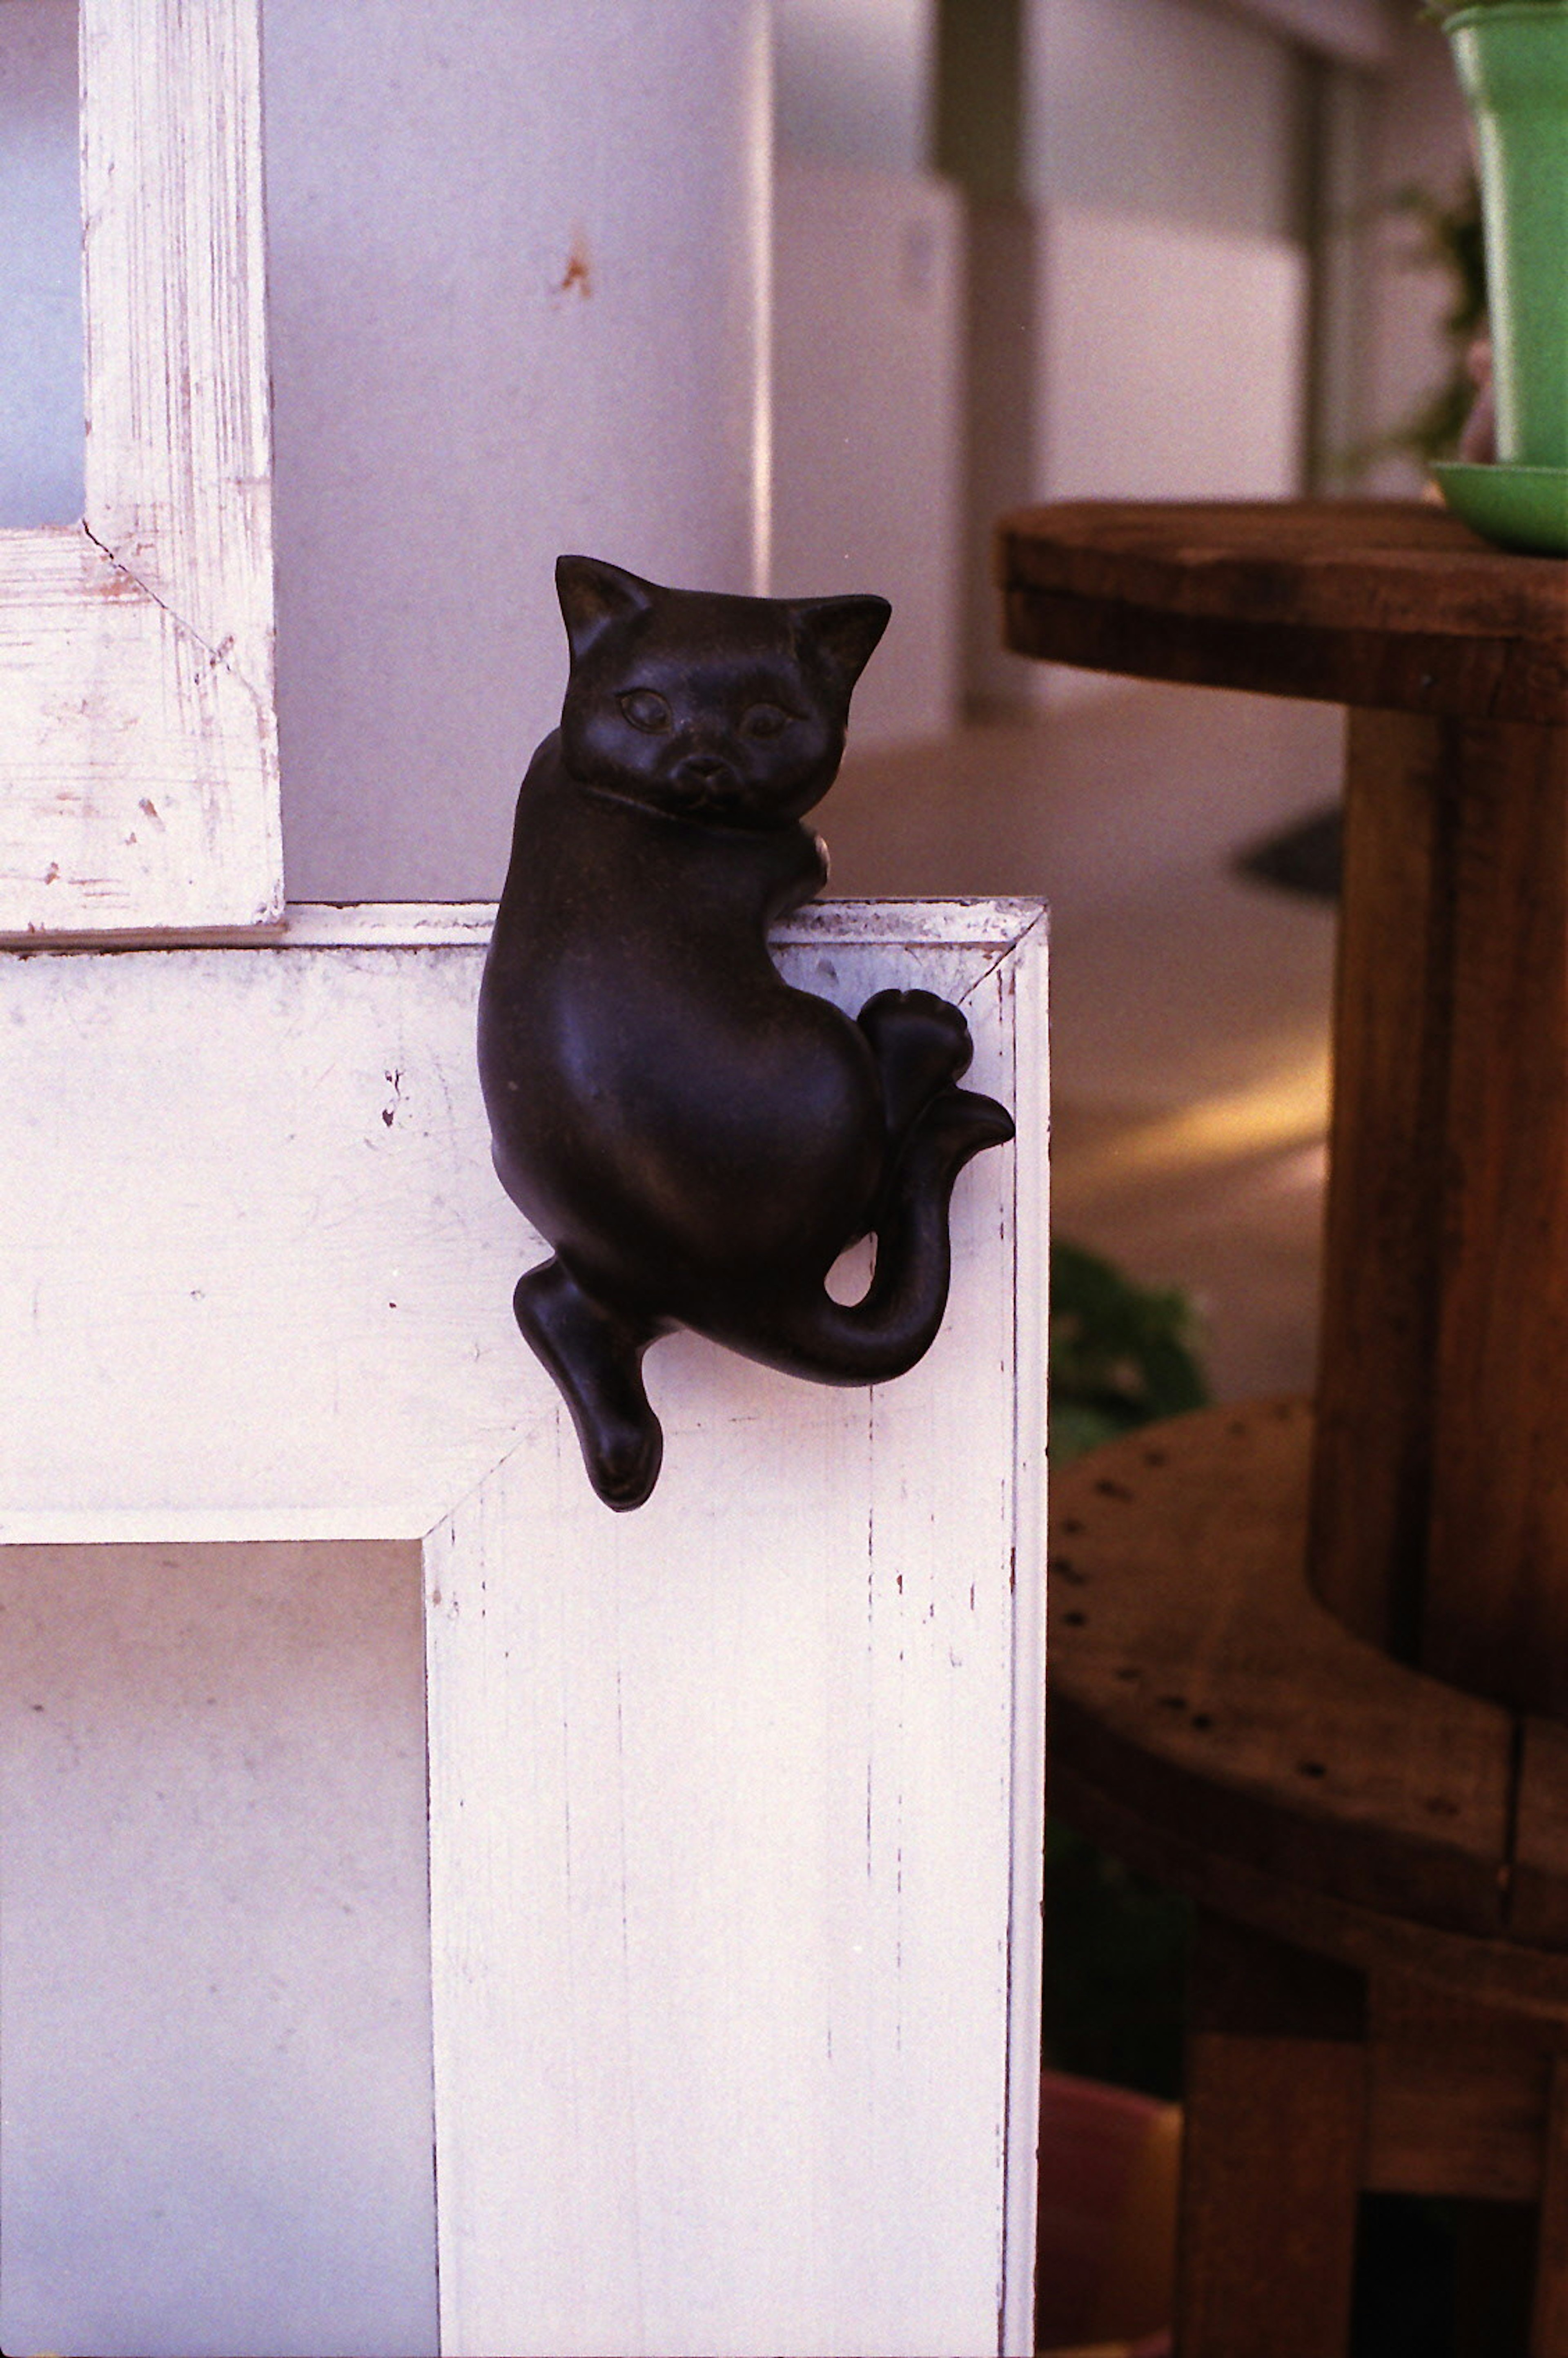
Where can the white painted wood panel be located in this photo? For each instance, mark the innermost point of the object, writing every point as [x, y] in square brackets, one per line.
[735, 1802]
[138, 751]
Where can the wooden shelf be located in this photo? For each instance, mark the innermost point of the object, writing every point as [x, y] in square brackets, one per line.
[1370, 603]
[1217, 1725]
[1313, 1668]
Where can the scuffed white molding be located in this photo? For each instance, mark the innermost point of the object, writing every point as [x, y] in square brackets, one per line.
[735, 1830]
[138, 761]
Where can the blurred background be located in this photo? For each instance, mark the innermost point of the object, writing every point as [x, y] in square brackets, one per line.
[801, 297]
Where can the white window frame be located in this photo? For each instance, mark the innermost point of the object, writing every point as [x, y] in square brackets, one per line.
[138, 747]
[298, 1327]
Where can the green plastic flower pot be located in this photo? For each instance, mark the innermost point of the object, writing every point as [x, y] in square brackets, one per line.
[1512, 60]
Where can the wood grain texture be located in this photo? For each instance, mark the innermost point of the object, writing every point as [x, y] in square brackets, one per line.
[736, 1802]
[1197, 1682]
[1549, 2315]
[1369, 603]
[1457, 2096]
[1275, 2107]
[1383, 1241]
[1495, 1615]
[1539, 1897]
[136, 650]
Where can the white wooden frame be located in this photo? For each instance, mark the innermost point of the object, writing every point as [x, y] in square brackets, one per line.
[736, 1804]
[139, 763]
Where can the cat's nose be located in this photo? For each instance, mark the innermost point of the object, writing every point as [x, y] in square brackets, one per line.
[701, 765]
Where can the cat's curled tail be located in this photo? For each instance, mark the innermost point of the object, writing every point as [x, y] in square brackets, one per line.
[594, 1346]
[882, 1336]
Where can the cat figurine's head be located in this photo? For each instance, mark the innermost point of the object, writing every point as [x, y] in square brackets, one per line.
[727, 710]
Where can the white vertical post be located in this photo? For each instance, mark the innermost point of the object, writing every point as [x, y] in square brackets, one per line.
[735, 1812]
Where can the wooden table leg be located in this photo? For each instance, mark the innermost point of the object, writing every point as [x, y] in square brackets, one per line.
[1372, 1462]
[1276, 2099]
[1548, 2322]
[1495, 1611]
[1439, 1490]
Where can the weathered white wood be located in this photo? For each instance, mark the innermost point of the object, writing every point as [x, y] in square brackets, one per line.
[769, 1749]
[138, 752]
[735, 1802]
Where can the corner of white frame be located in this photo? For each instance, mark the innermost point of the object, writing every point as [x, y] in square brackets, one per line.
[139, 757]
[736, 1802]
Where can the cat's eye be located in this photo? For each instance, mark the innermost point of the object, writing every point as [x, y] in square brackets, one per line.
[765, 720]
[645, 709]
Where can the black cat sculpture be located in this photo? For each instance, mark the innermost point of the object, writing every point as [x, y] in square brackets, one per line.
[698, 1140]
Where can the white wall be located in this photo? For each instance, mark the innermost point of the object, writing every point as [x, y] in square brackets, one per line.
[515, 276]
[868, 419]
[852, 81]
[867, 406]
[1164, 109]
[1172, 362]
[1140, 327]
[41, 266]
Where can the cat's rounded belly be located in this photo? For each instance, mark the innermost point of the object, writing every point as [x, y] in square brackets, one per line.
[679, 1140]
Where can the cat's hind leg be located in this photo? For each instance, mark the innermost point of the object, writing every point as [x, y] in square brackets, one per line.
[921, 1042]
[595, 1354]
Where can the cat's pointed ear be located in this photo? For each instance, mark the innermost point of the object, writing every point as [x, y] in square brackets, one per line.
[841, 632]
[594, 594]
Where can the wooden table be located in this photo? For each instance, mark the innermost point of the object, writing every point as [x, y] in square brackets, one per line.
[1312, 1665]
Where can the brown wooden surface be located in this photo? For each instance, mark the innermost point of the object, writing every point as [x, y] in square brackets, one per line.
[1275, 2083]
[1212, 1722]
[1383, 1242]
[1495, 1613]
[1196, 1678]
[1440, 1502]
[1390, 604]
[1548, 2322]
[1440, 1496]
[1538, 1896]
[1458, 2094]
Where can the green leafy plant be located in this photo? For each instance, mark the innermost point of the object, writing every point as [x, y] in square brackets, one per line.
[1449, 240]
[1121, 1354]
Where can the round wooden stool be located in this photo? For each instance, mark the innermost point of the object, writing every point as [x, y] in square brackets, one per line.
[1313, 1669]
